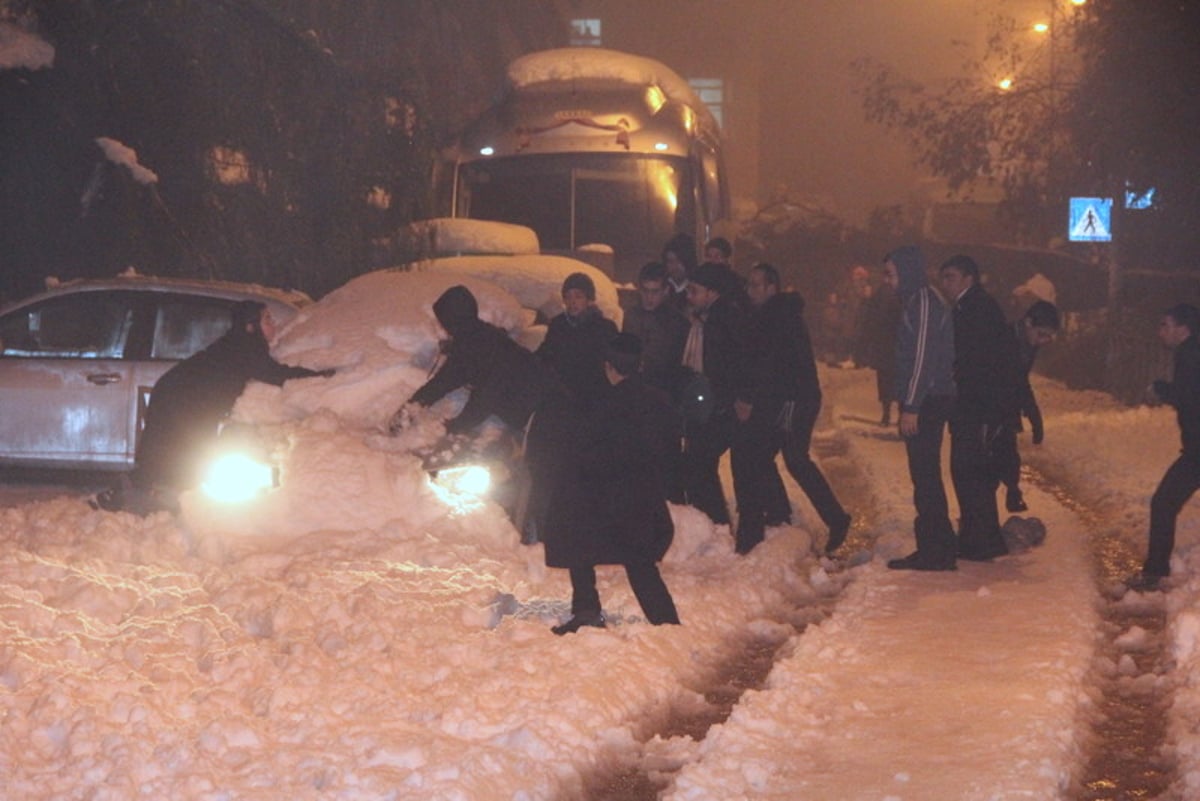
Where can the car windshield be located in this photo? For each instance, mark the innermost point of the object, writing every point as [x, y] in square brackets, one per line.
[629, 202]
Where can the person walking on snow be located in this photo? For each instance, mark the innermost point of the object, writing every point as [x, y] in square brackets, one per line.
[925, 389]
[777, 409]
[1178, 331]
[615, 497]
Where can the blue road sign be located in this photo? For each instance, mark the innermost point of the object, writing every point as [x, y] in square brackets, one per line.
[1091, 219]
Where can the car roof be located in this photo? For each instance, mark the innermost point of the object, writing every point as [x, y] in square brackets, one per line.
[222, 289]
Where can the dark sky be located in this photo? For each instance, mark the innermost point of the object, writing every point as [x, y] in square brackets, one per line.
[811, 128]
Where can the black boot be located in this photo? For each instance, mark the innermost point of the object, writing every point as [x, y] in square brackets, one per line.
[837, 535]
[1014, 501]
[593, 619]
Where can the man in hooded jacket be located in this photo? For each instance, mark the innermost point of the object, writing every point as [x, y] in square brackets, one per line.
[925, 389]
[507, 381]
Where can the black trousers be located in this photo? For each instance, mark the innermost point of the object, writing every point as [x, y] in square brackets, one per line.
[758, 489]
[1006, 458]
[1178, 484]
[934, 533]
[975, 481]
[648, 587]
[705, 444]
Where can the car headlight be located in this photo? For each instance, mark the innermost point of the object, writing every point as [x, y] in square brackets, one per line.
[236, 478]
[466, 480]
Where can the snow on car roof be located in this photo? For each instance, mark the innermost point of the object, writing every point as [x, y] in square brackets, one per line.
[459, 236]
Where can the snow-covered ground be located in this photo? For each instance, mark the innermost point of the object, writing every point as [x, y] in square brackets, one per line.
[363, 635]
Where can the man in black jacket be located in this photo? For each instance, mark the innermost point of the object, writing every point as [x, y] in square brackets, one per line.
[985, 374]
[1036, 328]
[715, 348]
[614, 498]
[777, 407]
[1177, 330]
[575, 340]
[507, 381]
[188, 404]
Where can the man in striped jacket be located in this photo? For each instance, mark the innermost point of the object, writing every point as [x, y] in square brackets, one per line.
[925, 387]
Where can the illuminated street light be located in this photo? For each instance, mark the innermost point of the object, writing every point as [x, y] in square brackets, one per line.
[1005, 84]
[1041, 27]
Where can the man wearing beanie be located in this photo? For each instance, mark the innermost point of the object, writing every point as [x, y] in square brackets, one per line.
[616, 501]
[575, 340]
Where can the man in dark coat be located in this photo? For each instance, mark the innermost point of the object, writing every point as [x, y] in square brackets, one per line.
[507, 381]
[661, 327]
[985, 374]
[777, 407]
[188, 404]
[1177, 330]
[716, 349]
[1036, 328]
[575, 340]
[617, 514]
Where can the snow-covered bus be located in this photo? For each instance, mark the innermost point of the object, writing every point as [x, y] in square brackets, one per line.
[605, 155]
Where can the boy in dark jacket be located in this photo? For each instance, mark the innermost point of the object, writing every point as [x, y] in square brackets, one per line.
[617, 504]
[575, 340]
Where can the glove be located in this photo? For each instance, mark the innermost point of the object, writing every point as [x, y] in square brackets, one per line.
[1035, 424]
[402, 419]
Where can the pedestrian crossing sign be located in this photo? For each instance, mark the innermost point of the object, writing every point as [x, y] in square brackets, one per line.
[1091, 219]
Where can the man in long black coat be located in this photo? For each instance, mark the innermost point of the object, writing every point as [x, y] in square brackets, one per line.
[188, 404]
[615, 510]
[986, 377]
[777, 409]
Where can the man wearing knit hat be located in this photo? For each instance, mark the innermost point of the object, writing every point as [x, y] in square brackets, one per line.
[575, 340]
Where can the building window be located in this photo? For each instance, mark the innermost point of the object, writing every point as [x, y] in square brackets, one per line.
[711, 92]
[585, 32]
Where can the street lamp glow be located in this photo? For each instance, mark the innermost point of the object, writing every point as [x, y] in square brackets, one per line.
[1005, 84]
[1041, 27]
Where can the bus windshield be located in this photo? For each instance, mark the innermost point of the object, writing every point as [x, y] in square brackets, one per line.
[631, 202]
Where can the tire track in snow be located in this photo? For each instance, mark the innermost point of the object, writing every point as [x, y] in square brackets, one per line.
[747, 660]
[1126, 754]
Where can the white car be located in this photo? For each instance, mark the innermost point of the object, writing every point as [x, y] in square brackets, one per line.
[79, 361]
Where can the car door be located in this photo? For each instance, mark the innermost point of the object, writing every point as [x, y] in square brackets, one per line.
[65, 383]
[180, 325]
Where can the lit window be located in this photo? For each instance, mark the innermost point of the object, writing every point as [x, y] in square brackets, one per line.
[585, 32]
[711, 92]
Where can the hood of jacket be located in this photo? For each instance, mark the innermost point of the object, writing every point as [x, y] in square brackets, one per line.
[456, 309]
[910, 267]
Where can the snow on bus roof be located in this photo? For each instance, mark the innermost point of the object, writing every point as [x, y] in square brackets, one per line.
[571, 63]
